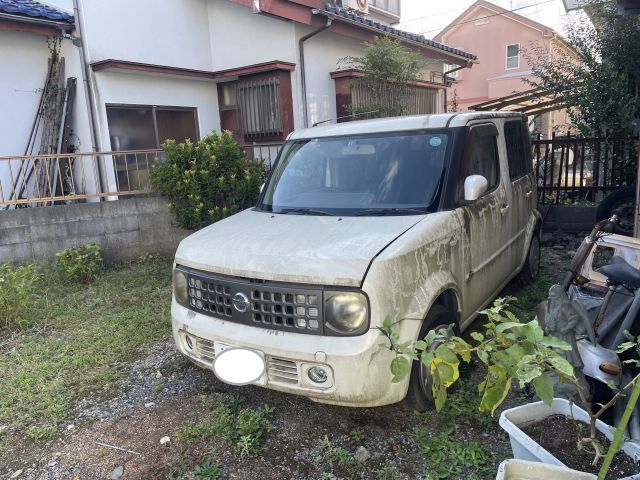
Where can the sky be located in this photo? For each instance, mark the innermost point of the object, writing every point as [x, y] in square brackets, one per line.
[428, 17]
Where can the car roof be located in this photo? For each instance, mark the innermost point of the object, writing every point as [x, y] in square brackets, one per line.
[398, 124]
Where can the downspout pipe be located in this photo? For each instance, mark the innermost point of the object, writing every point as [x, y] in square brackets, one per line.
[303, 76]
[88, 92]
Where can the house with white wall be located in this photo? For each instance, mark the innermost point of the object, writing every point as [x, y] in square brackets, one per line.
[148, 71]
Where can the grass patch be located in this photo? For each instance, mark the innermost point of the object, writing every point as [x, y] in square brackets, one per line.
[244, 428]
[82, 338]
[448, 457]
[461, 407]
[528, 297]
[341, 462]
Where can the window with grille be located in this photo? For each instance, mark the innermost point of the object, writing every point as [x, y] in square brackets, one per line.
[513, 56]
[259, 102]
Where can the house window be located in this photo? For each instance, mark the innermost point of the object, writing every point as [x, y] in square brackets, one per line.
[451, 69]
[481, 20]
[146, 127]
[257, 107]
[513, 56]
[391, 6]
[141, 128]
[259, 102]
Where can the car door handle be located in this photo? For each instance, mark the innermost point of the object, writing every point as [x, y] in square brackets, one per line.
[504, 209]
[528, 193]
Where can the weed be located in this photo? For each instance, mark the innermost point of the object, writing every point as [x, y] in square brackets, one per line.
[158, 387]
[338, 458]
[451, 458]
[17, 287]
[357, 436]
[148, 258]
[461, 408]
[80, 264]
[387, 472]
[36, 433]
[207, 470]
[329, 476]
[244, 428]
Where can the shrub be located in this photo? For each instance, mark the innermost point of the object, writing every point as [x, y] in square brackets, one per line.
[17, 284]
[80, 264]
[208, 180]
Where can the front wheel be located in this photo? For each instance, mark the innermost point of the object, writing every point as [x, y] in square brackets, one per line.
[420, 396]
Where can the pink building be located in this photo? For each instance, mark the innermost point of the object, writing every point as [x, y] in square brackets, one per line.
[499, 38]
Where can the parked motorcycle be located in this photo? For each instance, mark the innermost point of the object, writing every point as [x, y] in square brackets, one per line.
[595, 308]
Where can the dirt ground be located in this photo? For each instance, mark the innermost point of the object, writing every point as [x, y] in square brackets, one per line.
[163, 392]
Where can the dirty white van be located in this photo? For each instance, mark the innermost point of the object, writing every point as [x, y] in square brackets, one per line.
[422, 218]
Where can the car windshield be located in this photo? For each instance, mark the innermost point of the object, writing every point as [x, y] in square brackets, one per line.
[381, 174]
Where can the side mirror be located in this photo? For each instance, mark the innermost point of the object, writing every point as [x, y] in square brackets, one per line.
[474, 187]
[261, 187]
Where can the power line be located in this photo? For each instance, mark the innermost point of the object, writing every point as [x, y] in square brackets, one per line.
[431, 16]
[489, 16]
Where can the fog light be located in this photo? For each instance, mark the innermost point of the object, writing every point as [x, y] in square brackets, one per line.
[317, 374]
[189, 342]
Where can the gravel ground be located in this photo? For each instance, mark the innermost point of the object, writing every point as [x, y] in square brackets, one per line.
[163, 392]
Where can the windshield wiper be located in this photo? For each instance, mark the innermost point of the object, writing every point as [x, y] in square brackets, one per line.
[390, 211]
[302, 211]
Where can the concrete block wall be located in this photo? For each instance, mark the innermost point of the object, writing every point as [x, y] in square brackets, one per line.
[567, 218]
[124, 229]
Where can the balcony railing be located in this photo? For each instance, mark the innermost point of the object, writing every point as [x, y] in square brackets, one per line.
[42, 180]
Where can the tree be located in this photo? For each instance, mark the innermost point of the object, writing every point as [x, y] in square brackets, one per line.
[601, 87]
[389, 68]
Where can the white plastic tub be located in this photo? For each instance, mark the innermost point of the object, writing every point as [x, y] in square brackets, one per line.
[523, 470]
[525, 448]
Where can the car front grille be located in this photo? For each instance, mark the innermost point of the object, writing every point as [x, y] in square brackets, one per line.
[271, 305]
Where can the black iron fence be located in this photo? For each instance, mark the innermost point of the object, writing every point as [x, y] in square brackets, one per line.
[573, 169]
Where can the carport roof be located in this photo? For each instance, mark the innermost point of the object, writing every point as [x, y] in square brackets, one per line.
[529, 102]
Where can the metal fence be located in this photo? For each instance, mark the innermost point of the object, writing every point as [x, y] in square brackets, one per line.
[265, 152]
[41, 180]
[571, 169]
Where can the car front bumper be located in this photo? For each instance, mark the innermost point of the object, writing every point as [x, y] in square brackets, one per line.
[352, 379]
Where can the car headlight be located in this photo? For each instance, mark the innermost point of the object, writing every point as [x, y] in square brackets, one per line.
[180, 287]
[345, 313]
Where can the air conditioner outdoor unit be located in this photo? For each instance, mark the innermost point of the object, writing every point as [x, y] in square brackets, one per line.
[360, 6]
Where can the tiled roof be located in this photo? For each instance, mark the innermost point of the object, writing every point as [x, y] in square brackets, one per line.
[34, 9]
[395, 32]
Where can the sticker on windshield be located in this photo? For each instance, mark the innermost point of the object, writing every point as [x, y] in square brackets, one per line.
[435, 141]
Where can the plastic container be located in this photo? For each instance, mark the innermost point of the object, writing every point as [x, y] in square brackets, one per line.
[525, 448]
[523, 470]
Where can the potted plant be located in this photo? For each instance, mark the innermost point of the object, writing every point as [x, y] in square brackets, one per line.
[513, 350]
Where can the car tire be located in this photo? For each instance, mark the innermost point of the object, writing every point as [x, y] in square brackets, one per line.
[623, 200]
[420, 397]
[531, 266]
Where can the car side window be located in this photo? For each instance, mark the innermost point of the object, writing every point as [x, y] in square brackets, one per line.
[483, 157]
[518, 149]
